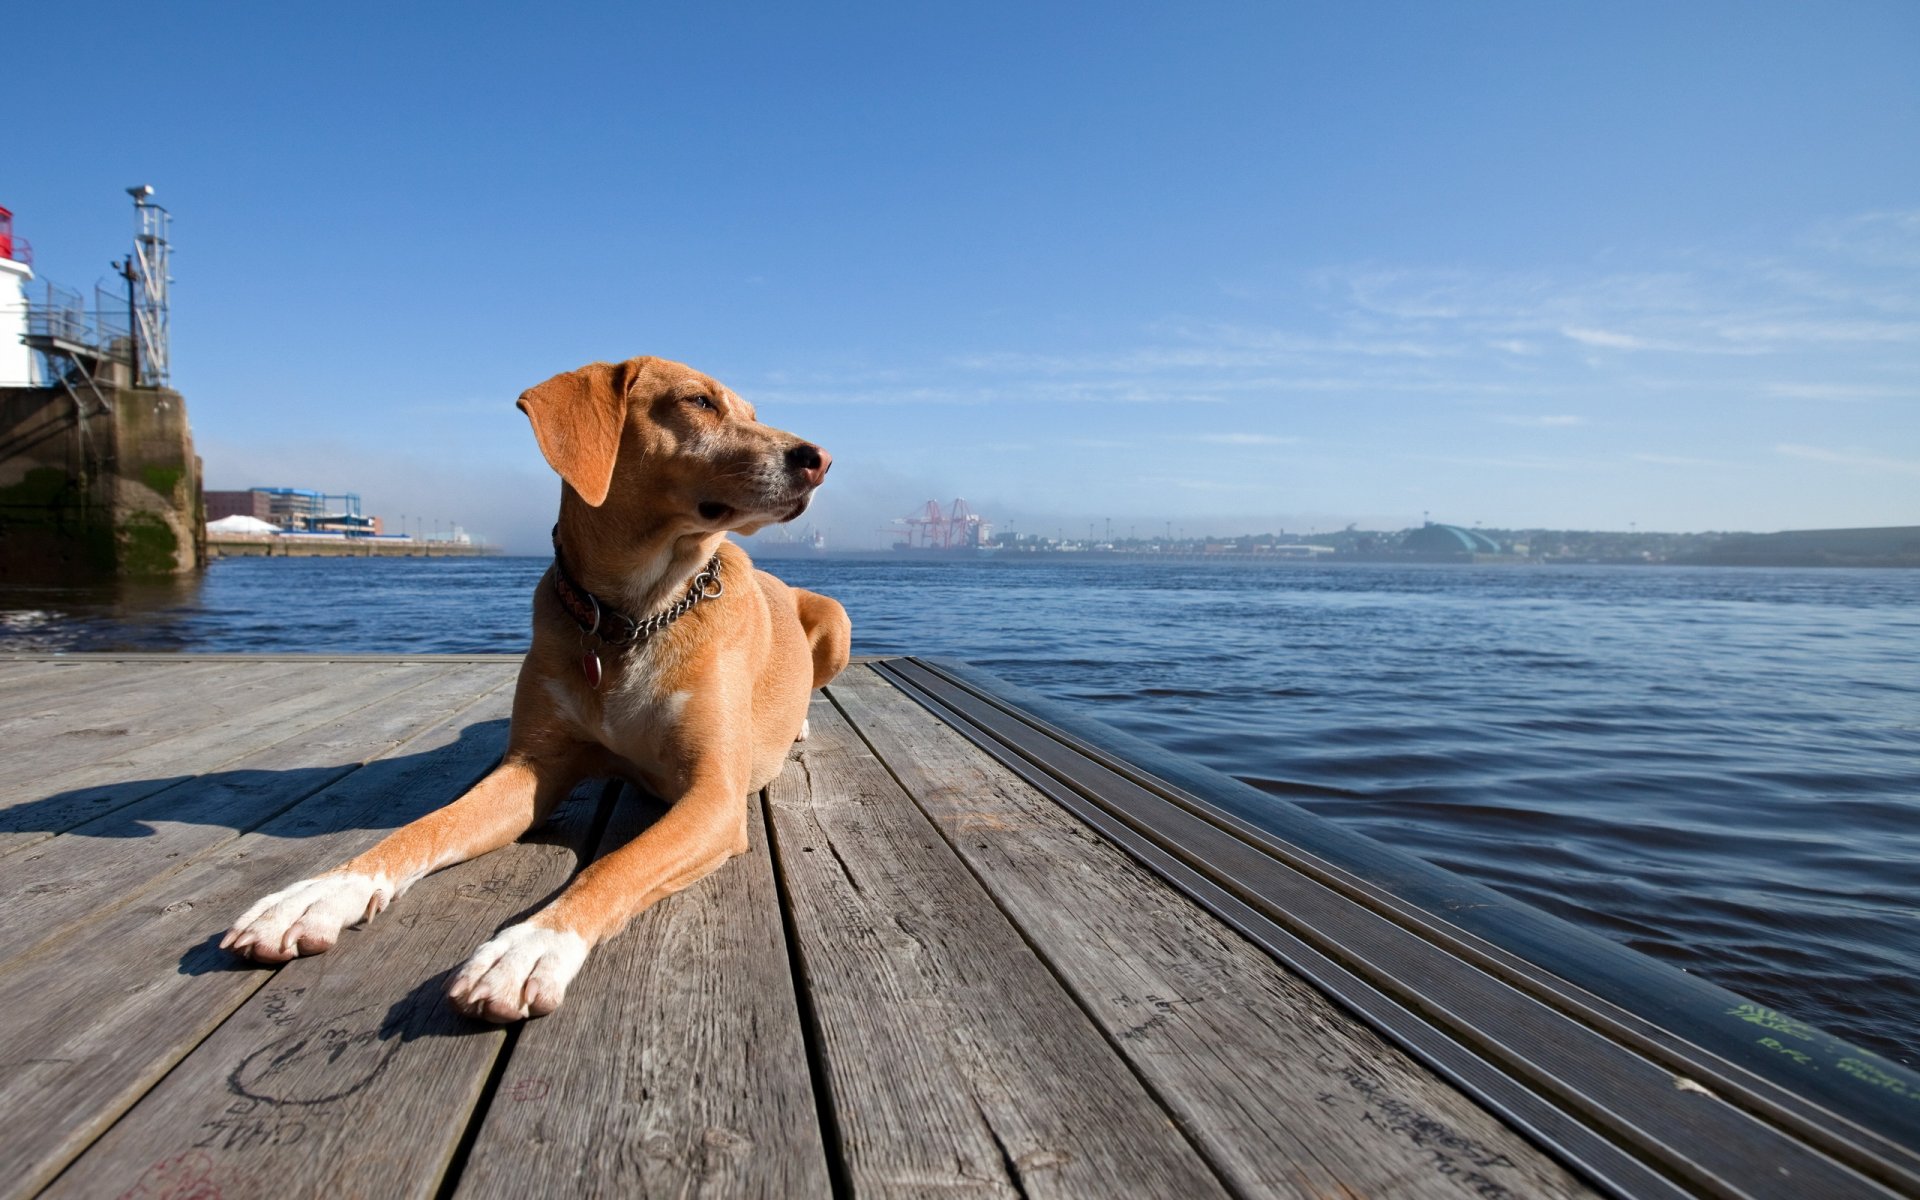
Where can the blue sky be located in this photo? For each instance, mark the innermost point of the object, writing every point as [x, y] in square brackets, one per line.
[1234, 267]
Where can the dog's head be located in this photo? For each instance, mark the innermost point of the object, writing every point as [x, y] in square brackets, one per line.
[662, 442]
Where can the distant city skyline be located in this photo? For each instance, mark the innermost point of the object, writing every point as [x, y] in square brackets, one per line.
[1239, 267]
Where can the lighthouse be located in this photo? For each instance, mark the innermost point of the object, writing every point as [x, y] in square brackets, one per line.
[97, 467]
[17, 365]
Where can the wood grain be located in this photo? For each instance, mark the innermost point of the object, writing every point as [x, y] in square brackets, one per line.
[23, 685]
[676, 1067]
[348, 1074]
[99, 692]
[37, 802]
[956, 1063]
[123, 732]
[109, 860]
[89, 1024]
[1286, 1094]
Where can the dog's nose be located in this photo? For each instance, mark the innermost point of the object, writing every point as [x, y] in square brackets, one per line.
[810, 461]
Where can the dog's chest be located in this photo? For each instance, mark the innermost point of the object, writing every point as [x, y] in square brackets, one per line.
[632, 714]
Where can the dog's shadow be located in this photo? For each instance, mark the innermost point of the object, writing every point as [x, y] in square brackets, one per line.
[244, 799]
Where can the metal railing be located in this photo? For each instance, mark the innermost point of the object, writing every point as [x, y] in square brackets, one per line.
[64, 314]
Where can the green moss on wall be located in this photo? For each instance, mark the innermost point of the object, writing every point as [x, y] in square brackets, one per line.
[162, 479]
[46, 489]
[148, 545]
[93, 550]
[48, 529]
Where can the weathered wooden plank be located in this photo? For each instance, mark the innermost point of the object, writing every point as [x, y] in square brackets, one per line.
[39, 797]
[22, 681]
[955, 1062]
[1284, 1093]
[348, 1074]
[88, 1025]
[677, 1066]
[17, 669]
[95, 691]
[1615, 1109]
[32, 810]
[14, 670]
[109, 860]
[121, 727]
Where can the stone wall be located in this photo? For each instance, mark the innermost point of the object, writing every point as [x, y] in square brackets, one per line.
[113, 493]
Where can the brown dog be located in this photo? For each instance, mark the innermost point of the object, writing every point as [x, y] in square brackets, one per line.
[699, 705]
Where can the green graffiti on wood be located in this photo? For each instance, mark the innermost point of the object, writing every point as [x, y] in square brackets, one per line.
[1779, 1022]
[1866, 1072]
[1799, 1056]
[148, 545]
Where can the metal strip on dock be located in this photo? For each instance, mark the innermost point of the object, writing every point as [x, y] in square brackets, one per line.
[1638, 1108]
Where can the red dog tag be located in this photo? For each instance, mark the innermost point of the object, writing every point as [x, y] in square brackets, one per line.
[590, 667]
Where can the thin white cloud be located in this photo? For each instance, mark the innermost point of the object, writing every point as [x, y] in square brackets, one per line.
[1503, 463]
[1115, 391]
[1205, 485]
[1850, 458]
[1778, 334]
[1541, 422]
[1879, 238]
[1677, 460]
[1606, 339]
[1840, 391]
[1246, 439]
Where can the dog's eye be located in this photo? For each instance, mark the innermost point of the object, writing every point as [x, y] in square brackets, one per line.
[705, 402]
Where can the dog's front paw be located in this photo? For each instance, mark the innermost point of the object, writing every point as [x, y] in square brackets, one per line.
[306, 918]
[806, 731]
[523, 972]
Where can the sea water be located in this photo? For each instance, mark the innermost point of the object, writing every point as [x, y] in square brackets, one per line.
[1717, 767]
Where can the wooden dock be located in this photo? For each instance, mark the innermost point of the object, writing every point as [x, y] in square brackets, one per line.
[933, 973]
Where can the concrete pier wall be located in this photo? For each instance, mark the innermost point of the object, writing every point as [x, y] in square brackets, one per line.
[289, 547]
[113, 491]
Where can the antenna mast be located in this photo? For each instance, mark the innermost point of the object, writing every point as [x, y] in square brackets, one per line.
[146, 272]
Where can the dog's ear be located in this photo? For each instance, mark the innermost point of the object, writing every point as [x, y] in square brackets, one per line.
[577, 418]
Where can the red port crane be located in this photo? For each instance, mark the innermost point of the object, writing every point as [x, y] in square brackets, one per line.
[932, 528]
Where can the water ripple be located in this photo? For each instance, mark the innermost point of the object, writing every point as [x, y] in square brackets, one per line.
[1715, 767]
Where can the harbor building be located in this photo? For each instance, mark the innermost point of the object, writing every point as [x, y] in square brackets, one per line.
[98, 475]
[296, 509]
[17, 365]
[1449, 541]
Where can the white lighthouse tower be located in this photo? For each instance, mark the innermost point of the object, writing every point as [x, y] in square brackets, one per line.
[18, 367]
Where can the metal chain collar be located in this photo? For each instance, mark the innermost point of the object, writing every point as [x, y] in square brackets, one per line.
[607, 624]
[705, 586]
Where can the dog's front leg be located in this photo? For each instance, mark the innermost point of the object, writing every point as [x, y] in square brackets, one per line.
[307, 917]
[524, 970]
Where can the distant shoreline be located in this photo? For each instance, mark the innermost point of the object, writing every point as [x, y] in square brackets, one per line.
[1881, 547]
[311, 547]
[1339, 560]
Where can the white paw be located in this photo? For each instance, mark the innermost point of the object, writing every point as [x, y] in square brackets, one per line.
[806, 727]
[306, 918]
[523, 972]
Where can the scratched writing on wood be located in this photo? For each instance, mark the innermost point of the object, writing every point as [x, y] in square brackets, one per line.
[315, 1064]
[249, 1133]
[186, 1176]
[1452, 1153]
